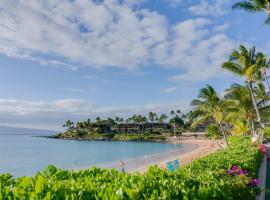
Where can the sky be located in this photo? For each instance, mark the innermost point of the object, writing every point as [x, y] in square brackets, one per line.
[79, 59]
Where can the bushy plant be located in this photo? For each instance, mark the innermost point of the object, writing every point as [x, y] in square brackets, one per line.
[266, 132]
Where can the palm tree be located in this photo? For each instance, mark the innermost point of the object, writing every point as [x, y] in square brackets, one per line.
[264, 64]
[261, 94]
[69, 124]
[209, 107]
[98, 119]
[243, 63]
[242, 104]
[162, 118]
[117, 119]
[152, 116]
[255, 6]
[173, 113]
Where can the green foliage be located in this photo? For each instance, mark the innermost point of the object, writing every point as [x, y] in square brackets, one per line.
[213, 131]
[266, 132]
[139, 137]
[203, 179]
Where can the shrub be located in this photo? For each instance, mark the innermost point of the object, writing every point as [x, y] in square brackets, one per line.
[266, 132]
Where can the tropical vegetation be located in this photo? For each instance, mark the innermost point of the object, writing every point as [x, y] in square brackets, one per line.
[243, 109]
[241, 113]
[225, 175]
[152, 127]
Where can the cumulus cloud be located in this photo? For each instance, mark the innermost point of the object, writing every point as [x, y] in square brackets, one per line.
[212, 7]
[50, 115]
[110, 33]
[195, 49]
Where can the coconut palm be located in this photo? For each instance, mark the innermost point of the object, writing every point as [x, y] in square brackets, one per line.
[255, 6]
[174, 113]
[261, 94]
[152, 116]
[242, 104]
[209, 107]
[69, 124]
[117, 119]
[162, 118]
[243, 63]
[264, 64]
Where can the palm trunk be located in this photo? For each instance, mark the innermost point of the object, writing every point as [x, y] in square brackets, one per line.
[174, 125]
[219, 144]
[255, 103]
[223, 132]
[250, 127]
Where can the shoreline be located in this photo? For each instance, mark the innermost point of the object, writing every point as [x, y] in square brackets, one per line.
[196, 149]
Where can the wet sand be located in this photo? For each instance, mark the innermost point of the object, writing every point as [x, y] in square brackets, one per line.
[193, 150]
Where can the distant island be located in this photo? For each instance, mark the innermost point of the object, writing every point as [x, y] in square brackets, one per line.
[7, 130]
[150, 128]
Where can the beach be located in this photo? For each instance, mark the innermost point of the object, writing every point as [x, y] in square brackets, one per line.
[198, 148]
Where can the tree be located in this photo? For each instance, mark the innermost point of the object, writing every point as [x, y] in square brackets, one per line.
[152, 116]
[177, 121]
[242, 104]
[98, 119]
[255, 6]
[173, 115]
[243, 63]
[209, 107]
[117, 119]
[69, 124]
[162, 118]
[261, 94]
[264, 64]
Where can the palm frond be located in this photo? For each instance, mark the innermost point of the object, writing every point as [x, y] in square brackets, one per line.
[243, 50]
[196, 102]
[233, 67]
[250, 71]
[248, 6]
[201, 120]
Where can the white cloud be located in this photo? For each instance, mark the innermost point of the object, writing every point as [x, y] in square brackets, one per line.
[90, 88]
[169, 90]
[195, 49]
[212, 7]
[50, 115]
[222, 28]
[82, 33]
[173, 3]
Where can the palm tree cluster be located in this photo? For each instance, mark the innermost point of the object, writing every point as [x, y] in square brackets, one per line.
[134, 124]
[244, 109]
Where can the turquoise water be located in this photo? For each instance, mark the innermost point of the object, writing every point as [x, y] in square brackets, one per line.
[25, 155]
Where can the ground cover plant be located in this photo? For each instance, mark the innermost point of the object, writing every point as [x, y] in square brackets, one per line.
[206, 178]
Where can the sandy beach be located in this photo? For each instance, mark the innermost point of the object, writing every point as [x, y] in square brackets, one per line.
[195, 149]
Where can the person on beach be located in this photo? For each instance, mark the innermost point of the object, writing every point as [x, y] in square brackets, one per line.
[122, 166]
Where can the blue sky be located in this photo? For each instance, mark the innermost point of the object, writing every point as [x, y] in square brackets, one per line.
[62, 59]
